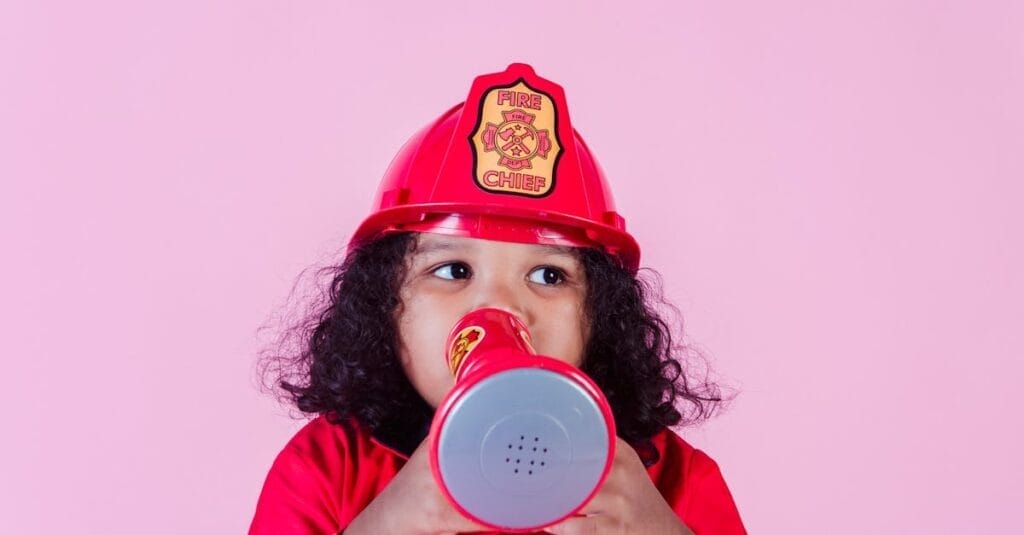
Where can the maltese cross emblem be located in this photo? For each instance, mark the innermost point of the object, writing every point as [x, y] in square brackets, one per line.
[516, 140]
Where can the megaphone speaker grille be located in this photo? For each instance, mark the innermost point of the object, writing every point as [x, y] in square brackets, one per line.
[523, 448]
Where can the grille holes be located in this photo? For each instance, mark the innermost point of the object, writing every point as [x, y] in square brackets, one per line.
[535, 463]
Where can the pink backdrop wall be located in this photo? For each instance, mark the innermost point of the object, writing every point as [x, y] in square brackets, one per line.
[830, 189]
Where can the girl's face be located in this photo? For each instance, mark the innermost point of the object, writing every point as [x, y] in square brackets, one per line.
[448, 277]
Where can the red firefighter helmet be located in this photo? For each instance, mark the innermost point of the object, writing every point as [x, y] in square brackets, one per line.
[506, 165]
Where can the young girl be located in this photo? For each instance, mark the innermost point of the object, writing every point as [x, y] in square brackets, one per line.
[498, 203]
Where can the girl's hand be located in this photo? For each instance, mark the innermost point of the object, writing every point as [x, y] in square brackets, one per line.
[627, 503]
[411, 503]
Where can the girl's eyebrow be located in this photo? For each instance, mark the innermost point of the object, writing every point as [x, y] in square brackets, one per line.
[559, 250]
[434, 246]
[439, 245]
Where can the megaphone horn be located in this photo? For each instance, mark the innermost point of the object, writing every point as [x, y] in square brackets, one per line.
[522, 441]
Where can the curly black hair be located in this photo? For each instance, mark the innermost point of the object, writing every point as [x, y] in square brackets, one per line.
[346, 364]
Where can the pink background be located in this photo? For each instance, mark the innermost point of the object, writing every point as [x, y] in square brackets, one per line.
[829, 188]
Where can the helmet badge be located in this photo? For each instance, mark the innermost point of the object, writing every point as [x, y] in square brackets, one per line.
[515, 144]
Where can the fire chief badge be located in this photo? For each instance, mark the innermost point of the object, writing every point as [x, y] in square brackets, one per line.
[515, 143]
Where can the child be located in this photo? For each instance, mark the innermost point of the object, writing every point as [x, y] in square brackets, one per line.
[498, 203]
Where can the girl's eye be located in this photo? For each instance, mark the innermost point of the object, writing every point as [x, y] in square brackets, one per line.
[453, 271]
[547, 275]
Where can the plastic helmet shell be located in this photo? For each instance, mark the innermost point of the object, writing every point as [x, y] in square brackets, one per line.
[505, 165]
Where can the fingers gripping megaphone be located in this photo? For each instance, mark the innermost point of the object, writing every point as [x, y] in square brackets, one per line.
[522, 441]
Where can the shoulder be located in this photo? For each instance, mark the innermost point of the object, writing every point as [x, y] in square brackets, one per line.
[323, 477]
[326, 442]
[677, 455]
[320, 435]
[692, 484]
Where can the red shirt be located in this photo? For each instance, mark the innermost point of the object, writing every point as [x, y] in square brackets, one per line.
[328, 473]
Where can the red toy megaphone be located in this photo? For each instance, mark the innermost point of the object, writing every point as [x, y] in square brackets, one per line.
[522, 441]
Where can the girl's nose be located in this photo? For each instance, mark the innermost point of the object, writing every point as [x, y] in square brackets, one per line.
[503, 295]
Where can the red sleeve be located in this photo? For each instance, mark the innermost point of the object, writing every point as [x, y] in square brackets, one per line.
[693, 486]
[298, 495]
[322, 479]
[709, 507]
